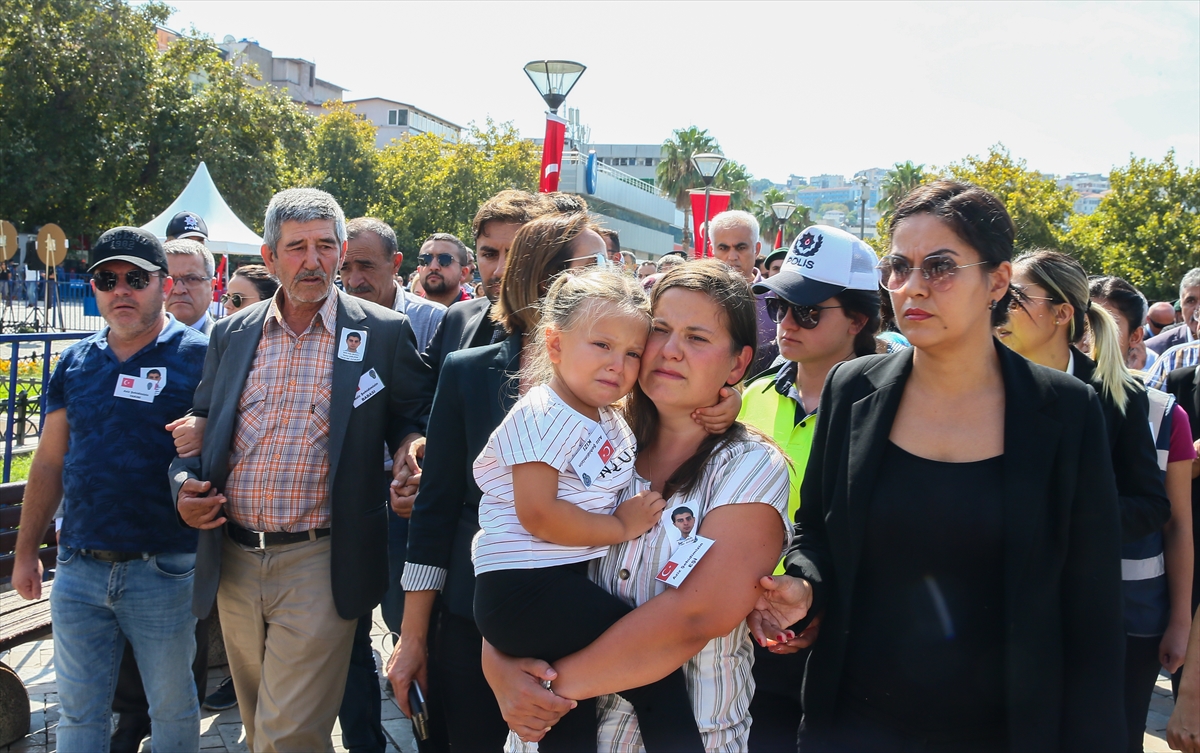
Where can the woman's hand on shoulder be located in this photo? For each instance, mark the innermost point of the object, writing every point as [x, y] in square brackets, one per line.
[716, 419]
[640, 512]
[784, 601]
[526, 705]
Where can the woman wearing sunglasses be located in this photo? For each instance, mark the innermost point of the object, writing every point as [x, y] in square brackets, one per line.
[825, 303]
[249, 285]
[959, 523]
[1052, 312]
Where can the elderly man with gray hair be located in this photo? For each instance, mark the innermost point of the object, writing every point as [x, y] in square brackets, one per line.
[735, 241]
[287, 491]
[192, 268]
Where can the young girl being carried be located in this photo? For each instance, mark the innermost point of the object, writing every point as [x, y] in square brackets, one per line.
[550, 476]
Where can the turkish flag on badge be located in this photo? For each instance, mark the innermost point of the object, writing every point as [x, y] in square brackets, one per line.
[126, 382]
[606, 451]
[667, 570]
[552, 149]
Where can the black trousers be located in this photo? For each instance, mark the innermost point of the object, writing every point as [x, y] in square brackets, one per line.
[130, 696]
[362, 706]
[552, 612]
[1141, 672]
[775, 708]
[463, 714]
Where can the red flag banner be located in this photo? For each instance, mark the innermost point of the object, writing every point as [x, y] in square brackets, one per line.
[718, 202]
[779, 238]
[219, 279]
[552, 149]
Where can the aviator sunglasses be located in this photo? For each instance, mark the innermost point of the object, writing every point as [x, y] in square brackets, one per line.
[106, 280]
[443, 260]
[937, 270]
[237, 299]
[808, 317]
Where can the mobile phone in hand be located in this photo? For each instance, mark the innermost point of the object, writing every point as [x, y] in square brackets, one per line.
[420, 713]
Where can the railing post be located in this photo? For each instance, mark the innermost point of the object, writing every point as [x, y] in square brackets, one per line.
[22, 412]
[12, 401]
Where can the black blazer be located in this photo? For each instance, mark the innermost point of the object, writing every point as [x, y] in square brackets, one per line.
[357, 490]
[458, 330]
[1141, 493]
[1184, 384]
[476, 389]
[1066, 643]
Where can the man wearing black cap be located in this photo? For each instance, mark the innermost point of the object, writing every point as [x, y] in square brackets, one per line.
[187, 225]
[125, 564]
[775, 262]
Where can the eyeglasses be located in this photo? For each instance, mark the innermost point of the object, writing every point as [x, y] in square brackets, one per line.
[1020, 298]
[443, 260]
[190, 281]
[106, 280]
[236, 299]
[601, 259]
[808, 317]
[937, 270]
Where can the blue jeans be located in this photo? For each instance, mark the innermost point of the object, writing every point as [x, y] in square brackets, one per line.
[97, 606]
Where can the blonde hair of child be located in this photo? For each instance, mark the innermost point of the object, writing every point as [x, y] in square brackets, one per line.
[571, 301]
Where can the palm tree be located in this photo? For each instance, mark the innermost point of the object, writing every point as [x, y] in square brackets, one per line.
[770, 224]
[735, 178]
[675, 174]
[899, 181]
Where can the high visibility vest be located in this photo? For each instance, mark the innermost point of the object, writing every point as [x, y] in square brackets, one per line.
[775, 415]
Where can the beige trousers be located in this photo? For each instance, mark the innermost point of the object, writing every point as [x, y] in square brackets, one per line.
[289, 651]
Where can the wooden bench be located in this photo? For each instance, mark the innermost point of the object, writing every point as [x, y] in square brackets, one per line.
[21, 621]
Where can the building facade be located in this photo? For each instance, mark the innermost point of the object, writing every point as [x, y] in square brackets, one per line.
[296, 77]
[394, 120]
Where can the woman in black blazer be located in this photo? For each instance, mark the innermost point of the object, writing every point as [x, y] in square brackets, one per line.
[958, 523]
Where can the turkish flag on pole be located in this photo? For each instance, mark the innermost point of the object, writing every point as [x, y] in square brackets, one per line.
[219, 285]
[552, 149]
[718, 201]
[779, 238]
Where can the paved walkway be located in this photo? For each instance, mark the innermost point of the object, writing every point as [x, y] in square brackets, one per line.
[222, 731]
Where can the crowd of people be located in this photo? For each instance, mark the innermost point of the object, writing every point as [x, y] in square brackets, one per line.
[803, 500]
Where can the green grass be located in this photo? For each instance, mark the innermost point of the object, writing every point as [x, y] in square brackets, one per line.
[20, 467]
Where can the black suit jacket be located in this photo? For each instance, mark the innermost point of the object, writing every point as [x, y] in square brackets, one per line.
[464, 326]
[357, 490]
[476, 389]
[1141, 493]
[1065, 645]
[1184, 384]
[1164, 341]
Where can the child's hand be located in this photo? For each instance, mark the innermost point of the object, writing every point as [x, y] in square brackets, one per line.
[189, 435]
[639, 513]
[716, 419]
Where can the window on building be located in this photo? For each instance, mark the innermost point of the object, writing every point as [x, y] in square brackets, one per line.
[312, 76]
[649, 162]
[391, 117]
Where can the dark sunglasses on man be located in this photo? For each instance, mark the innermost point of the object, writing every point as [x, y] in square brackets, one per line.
[443, 260]
[106, 280]
[808, 317]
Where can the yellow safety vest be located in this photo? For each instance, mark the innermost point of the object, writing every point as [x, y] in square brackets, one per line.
[775, 415]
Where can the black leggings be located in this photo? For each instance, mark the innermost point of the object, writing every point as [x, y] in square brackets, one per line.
[1141, 673]
[552, 612]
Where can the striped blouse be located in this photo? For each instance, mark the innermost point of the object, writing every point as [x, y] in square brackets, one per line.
[718, 678]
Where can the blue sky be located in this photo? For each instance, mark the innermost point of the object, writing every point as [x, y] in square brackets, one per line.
[803, 88]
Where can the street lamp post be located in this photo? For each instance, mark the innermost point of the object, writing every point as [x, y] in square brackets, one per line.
[783, 212]
[708, 164]
[554, 79]
[862, 210]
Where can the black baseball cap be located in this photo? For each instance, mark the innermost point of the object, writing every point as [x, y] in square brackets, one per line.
[132, 244]
[187, 225]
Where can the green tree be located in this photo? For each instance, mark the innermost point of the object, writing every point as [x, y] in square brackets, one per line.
[1038, 207]
[735, 178]
[1147, 229]
[675, 175]
[901, 179]
[343, 159]
[427, 185]
[770, 224]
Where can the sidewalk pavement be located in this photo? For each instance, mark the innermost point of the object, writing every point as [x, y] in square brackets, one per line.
[220, 730]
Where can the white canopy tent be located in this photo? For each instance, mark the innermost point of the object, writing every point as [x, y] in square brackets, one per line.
[226, 233]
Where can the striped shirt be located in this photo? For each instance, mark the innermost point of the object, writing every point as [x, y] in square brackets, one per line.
[541, 428]
[1178, 357]
[718, 678]
[279, 466]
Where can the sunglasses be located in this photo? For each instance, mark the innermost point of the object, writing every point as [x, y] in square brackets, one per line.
[106, 280]
[601, 259]
[1020, 298]
[808, 317]
[936, 270]
[235, 299]
[443, 260]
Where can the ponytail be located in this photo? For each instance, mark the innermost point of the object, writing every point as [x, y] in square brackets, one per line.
[1115, 379]
[1066, 282]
